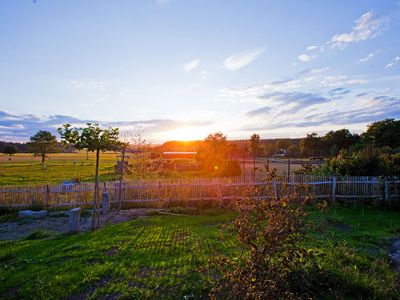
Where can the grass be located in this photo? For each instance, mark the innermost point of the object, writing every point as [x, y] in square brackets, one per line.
[160, 256]
[27, 169]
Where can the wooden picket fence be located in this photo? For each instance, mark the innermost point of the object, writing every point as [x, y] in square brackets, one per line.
[171, 192]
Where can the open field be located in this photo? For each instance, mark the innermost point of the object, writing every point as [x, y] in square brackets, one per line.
[24, 168]
[160, 256]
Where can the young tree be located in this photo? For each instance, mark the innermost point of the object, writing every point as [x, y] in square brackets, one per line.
[9, 150]
[254, 146]
[94, 139]
[43, 142]
[214, 152]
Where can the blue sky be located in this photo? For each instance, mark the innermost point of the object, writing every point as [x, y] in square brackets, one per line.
[180, 69]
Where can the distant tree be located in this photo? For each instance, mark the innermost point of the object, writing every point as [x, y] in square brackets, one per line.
[42, 143]
[311, 143]
[214, 154]
[383, 133]
[9, 150]
[282, 144]
[254, 146]
[94, 139]
[339, 139]
[294, 150]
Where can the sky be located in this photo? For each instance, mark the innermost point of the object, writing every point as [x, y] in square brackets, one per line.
[181, 69]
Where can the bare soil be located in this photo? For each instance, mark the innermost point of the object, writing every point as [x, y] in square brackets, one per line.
[21, 228]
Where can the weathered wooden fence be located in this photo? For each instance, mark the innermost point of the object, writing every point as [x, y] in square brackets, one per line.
[174, 191]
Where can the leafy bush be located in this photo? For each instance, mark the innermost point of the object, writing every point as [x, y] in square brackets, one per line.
[368, 161]
[272, 264]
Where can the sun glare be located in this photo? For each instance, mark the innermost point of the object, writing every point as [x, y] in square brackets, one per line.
[186, 134]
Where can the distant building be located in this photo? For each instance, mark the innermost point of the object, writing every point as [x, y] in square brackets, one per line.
[281, 153]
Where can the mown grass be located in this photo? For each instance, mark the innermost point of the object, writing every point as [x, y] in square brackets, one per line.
[160, 257]
[26, 169]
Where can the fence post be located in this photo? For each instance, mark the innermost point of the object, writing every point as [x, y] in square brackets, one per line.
[219, 191]
[105, 204]
[47, 196]
[333, 189]
[276, 193]
[159, 194]
[386, 190]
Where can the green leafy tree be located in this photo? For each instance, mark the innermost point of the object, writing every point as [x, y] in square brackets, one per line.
[254, 146]
[96, 139]
[214, 154]
[311, 143]
[383, 133]
[9, 150]
[42, 143]
[339, 139]
[282, 144]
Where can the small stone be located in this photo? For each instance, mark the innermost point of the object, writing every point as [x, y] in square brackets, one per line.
[74, 219]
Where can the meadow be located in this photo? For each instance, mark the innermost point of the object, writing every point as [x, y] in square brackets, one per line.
[166, 257]
[26, 169]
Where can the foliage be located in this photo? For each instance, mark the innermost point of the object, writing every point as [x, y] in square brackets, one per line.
[254, 144]
[92, 138]
[339, 139]
[383, 133]
[310, 144]
[273, 261]
[9, 150]
[42, 143]
[282, 144]
[214, 155]
[369, 161]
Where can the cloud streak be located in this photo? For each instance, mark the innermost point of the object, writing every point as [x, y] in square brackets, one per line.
[240, 60]
[368, 26]
[305, 57]
[191, 65]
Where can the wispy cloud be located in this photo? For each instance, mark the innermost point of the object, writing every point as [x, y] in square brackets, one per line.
[394, 62]
[369, 108]
[305, 57]
[340, 80]
[189, 66]
[312, 47]
[366, 58]
[366, 27]
[338, 93]
[239, 60]
[286, 103]
[14, 127]
[85, 83]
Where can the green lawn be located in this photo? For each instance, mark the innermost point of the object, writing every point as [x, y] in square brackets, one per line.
[26, 169]
[160, 256]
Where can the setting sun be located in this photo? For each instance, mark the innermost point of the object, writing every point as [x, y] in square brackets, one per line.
[184, 134]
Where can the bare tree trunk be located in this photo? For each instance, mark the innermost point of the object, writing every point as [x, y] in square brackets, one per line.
[43, 154]
[121, 181]
[96, 194]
